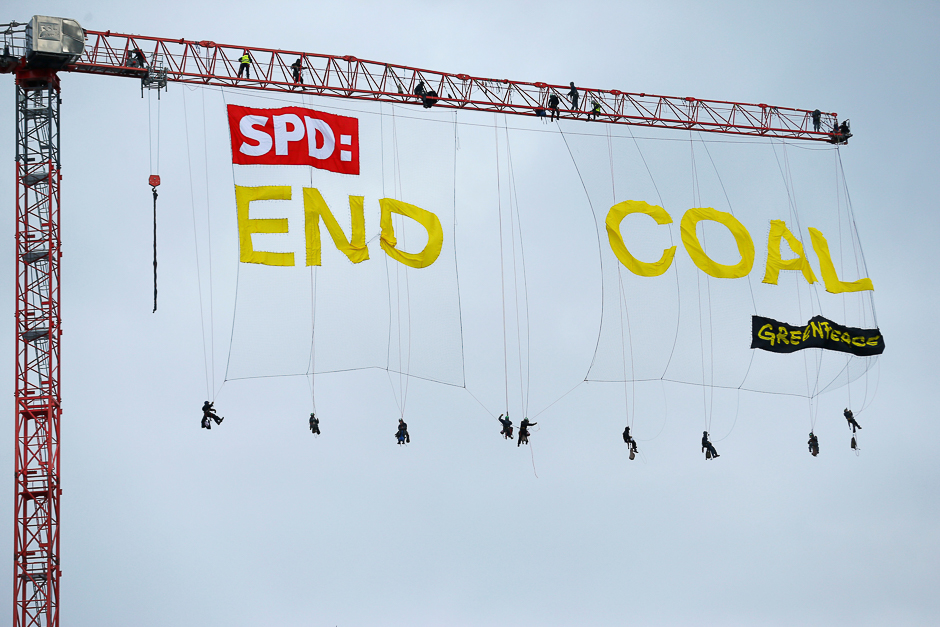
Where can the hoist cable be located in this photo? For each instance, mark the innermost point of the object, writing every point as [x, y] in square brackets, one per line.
[154, 249]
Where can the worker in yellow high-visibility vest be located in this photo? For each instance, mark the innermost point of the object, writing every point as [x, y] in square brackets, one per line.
[245, 65]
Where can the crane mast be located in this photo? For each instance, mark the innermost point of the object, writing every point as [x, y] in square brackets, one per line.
[36, 51]
[36, 535]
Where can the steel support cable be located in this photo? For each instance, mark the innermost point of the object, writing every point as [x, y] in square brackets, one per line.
[192, 204]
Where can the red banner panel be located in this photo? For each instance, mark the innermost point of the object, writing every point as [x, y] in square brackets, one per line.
[294, 136]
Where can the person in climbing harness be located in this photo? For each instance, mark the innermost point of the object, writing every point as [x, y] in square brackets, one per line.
[628, 439]
[595, 109]
[840, 133]
[137, 59]
[553, 103]
[297, 69]
[817, 120]
[402, 433]
[419, 89]
[573, 94]
[844, 131]
[850, 417]
[507, 426]
[208, 413]
[707, 447]
[813, 444]
[244, 65]
[314, 424]
[524, 431]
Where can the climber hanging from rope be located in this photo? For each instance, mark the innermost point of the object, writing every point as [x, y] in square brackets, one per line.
[813, 444]
[402, 433]
[707, 447]
[208, 415]
[524, 431]
[630, 442]
[314, 424]
[850, 417]
[507, 426]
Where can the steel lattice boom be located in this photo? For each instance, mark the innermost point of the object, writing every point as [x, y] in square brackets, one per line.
[208, 63]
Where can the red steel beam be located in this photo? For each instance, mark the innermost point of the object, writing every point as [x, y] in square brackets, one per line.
[209, 63]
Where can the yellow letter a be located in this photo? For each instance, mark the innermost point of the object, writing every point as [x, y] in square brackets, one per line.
[775, 263]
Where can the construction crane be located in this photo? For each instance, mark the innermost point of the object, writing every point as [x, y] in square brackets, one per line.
[35, 52]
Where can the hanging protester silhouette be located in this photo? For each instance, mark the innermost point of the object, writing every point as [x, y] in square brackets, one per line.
[507, 426]
[524, 431]
[813, 444]
[208, 414]
[402, 433]
[707, 448]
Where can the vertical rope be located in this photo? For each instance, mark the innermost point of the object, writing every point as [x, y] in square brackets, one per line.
[502, 272]
[524, 380]
[205, 155]
[192, 204]
[463, 362]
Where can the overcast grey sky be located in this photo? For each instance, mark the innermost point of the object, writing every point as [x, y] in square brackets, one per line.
[258, 523]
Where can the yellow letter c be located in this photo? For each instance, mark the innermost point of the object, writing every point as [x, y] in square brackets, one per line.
[616, 215]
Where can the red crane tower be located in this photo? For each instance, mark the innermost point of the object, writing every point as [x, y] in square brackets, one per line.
[36, 51]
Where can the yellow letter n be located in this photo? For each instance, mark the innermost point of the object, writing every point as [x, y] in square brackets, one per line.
[315, 208]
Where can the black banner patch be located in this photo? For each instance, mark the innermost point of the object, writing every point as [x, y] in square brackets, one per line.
[779, 337]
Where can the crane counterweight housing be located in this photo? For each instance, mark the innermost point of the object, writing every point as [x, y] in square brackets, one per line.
[53, 42]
